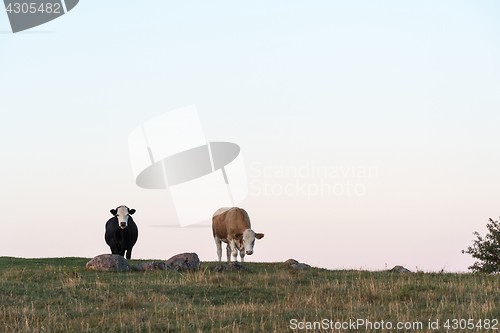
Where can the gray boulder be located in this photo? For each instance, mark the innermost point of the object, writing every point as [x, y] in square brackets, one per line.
[297, 265]
[153, 266]
[291, 261]
[400, 269]
[108, 263]
[300, 266]
[232, 266]
[184, 262]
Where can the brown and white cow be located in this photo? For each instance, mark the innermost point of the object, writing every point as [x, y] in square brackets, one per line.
[232, 226]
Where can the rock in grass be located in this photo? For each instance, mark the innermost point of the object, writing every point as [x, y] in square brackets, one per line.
[300, 266]
[153, 266]
[184, 262]
[297, 265]
[108, 263]
[231, 266]
[399, 269]
[291, 261]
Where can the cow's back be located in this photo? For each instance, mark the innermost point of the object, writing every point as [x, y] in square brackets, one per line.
[111, 229]
[229, 221]
[219, 223]
[132, 229]
[123, 236]
[237, 221]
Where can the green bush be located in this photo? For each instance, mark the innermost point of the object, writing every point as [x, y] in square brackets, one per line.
[486, 250]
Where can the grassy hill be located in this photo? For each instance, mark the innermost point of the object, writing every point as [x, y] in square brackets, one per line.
[58, 295]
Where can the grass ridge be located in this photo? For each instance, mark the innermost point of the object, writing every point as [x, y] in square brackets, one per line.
[59, 295]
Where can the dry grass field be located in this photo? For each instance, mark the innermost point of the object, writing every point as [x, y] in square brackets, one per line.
[59, 295]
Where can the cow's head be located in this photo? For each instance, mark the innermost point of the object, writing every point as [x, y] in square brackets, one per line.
[122, 213]
[247, 240]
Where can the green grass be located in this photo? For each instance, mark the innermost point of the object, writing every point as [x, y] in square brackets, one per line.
[59, 295]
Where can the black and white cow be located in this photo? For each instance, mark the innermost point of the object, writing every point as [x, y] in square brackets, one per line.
[121, 231]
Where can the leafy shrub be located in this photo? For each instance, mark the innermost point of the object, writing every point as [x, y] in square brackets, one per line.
[486, 250]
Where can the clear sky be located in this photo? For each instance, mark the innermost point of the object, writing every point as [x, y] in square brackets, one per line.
[369, 130]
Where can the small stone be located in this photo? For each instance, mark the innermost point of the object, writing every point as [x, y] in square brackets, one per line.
[291, 261]
[108, 263]
[400, 269]
[184, 262]
[300, 266]
[152, 266]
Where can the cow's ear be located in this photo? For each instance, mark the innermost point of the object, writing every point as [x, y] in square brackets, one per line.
[131, 211]
[259, 235]
[113, 211]
[238, 236]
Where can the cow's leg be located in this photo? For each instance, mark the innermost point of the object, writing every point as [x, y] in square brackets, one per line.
[129, 253]
[228, 252]
[219, 247]
[242, 254]
[234, 250]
